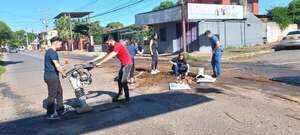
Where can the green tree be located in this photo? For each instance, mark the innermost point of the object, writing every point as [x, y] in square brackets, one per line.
[96, 31]
[5, 33]
[19, 38]
[141, 31]
[31, 37]
[81, 29]
[164, 5]
[63, 27]
[114, 25]
[294, 11]
[281, 16]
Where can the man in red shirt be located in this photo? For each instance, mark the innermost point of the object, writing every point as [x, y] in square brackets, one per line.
[117, 49]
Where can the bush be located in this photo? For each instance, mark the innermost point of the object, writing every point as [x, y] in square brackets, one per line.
[2, 69]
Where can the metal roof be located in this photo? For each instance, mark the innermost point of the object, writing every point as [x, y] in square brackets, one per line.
[73, 14]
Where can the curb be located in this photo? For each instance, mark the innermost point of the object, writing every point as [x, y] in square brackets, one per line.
[251, 54]
[92, 54]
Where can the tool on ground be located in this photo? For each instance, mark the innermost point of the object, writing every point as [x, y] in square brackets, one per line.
[179, 86]
[80, 77]
[202, 78]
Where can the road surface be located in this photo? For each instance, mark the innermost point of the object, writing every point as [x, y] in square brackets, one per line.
[228, 110]
[281, 66]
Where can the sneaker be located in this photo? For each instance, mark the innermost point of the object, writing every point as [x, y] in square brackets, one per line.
[157, 71]
[119, 98]
[153, 72]
[214, 76]
[126, 102]
[65, 110]
[54, 116]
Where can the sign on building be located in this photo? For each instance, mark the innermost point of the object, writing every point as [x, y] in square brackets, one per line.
[214, 11]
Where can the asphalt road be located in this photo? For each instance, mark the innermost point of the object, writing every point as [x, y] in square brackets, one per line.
[208, 111]
[281, 66]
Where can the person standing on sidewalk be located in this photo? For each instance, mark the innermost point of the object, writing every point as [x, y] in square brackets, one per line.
[52, 68]
[117, 49]
[217, 52]
[133, 50]
[154, 53]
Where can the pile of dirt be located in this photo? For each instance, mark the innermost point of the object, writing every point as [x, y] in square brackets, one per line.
[147, 79]
[152, 83]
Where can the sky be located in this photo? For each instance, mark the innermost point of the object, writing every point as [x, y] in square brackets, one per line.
[27, 14]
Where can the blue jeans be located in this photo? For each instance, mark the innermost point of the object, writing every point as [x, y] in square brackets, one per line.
[216, 62]
[179, 70]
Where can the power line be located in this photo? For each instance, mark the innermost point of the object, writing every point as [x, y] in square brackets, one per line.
[87, 5]
[117, 9]
[121, 15]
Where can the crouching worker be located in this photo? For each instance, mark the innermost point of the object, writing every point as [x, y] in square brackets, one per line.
[117, 49]
[52, 68]
[180, 66]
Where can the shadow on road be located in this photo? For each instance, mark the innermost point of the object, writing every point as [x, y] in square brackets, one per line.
[290, 80]
[5, 63]
[106, 115]
[5, 90]
[282, 47]
[208, 90]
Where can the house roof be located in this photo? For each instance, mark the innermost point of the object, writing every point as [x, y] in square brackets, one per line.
[160, 16]
[73, 14]
[262, 16]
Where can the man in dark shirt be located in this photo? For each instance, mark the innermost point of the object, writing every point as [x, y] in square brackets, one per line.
[217, 52]
[52, 68]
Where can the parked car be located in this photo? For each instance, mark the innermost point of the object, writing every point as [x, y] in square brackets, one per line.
[22, 48]
[290, 42]
[13, 50]
[3, 49]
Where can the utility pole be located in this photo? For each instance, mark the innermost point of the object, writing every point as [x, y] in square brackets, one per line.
[45, 23]
[183, 23]
[245, 4]
[71, 32]
[293, 12]
[27, 42]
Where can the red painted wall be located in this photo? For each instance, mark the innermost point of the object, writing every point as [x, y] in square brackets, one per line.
[255, 7]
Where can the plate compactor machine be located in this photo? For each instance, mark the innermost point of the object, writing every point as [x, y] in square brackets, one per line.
[79, 77]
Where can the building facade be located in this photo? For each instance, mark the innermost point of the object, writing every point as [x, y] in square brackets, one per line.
[230, 23]
[251, 4]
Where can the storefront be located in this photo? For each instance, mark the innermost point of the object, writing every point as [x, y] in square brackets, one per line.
[230, 23]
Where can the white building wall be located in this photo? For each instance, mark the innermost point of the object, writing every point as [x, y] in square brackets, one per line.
[274, 33]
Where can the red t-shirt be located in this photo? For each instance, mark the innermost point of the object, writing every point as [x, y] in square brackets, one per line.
[122, 53]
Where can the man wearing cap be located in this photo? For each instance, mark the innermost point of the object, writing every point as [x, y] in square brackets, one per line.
[117, 49]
